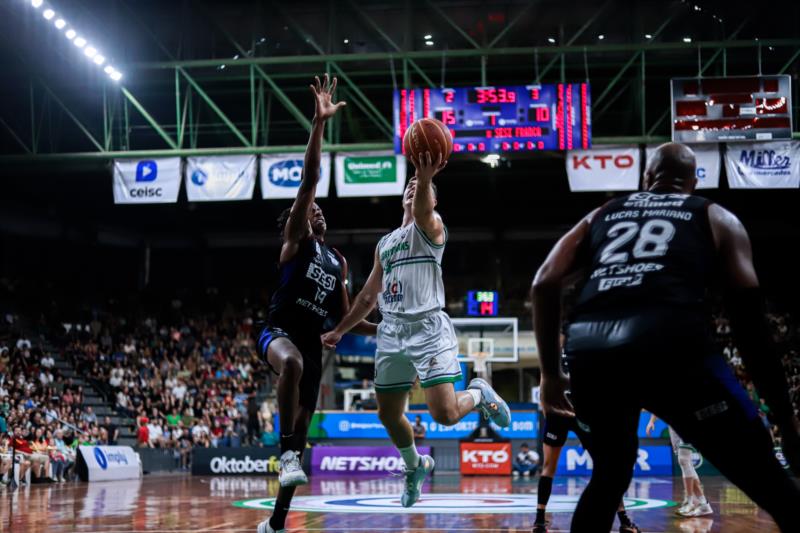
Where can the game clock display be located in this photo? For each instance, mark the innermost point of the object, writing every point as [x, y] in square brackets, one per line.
[521, 118]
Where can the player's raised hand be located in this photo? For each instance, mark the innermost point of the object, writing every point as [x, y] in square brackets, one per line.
[426, 167]
[331, 339]
[553, 396]
[323, 97]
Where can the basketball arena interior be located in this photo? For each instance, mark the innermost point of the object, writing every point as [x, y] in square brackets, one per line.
[157, 160]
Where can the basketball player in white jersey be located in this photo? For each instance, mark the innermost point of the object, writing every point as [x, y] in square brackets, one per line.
[694, 499]
[416, 337]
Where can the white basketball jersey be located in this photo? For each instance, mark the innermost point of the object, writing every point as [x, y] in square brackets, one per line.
[412, 272]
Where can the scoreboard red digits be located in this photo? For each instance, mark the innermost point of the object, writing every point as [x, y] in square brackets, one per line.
[502, 119]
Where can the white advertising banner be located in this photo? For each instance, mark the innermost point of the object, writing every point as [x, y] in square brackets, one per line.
[220, 178]
[104, 463]
[370, 174]
[604, 168]
[709, 164]
[281, 175]
[147, 181]
[763, 165]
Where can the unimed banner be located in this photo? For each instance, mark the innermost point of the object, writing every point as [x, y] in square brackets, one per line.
[604, 168]
[147, 181]
[763, 165]
[281, 175]
[236, 461]
[708, 164]
[358, 459]
[220, 178]
[106, 463]
[370, 174]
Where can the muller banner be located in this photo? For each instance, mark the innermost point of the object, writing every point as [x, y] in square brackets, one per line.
[766, 165]
[370, 174]
[281, 175]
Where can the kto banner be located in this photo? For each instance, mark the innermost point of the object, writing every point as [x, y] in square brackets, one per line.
[485, 458]
[218, 178]
[765, 165]
[358, 459]
[105, 463]
[650, 461]
[370, 174]
[709, 163]
[366, 425]
[147, 181]
[603, 168]
[281, 175]
[236, 461]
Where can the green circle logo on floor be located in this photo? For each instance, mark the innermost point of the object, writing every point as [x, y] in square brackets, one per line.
[439, 503]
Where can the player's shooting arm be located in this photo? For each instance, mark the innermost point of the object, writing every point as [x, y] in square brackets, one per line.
[297, 225]
[362, 305]
[364, 327]
[425, 216]
[745, 305]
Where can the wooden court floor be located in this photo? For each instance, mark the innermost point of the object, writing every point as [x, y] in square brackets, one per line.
[186, 504]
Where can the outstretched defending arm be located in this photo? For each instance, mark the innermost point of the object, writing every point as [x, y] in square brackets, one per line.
[425, 216]
[560, 265]
[362, 306]
[297, 227]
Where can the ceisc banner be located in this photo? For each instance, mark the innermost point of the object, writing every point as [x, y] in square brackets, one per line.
[709, 164]
[603, 168]
[650, 461]
[485, 458]
[147, 181]
[366, 425]
[281, 175]
[764, 165]
[220, 178]
[105, 463]
[358, 459]
[370, 174]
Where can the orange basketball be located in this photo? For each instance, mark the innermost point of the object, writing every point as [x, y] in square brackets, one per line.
[428, 135]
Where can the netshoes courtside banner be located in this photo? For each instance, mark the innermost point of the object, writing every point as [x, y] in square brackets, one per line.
[709, 164]
[370, 174]
[604, 168]
[147, 181]
[221, 178]
[766, 165]
[281, 175]
[349, 460]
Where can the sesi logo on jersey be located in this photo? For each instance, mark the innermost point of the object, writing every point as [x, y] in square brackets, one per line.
[322, 278]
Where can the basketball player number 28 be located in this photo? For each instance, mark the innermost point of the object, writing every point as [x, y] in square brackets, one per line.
[653, 241]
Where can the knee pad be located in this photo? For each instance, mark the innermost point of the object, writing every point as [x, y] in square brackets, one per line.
[685, 462]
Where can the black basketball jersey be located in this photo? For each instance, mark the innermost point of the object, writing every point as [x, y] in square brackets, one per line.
[309, 289]
[648, 250]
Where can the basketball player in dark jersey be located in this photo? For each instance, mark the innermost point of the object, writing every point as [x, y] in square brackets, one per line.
[638, 338]
[311, 291]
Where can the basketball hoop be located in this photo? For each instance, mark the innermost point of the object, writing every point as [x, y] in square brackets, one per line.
[480, 351]
[480, 360]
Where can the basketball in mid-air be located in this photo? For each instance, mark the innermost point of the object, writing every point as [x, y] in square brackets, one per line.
[428, 135]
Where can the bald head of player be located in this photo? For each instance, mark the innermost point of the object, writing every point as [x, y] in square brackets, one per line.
[672, 169]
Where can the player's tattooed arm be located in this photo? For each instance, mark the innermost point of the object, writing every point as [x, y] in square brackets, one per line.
[362, 306]
[424, 203]
[564, 259]
[297, 227]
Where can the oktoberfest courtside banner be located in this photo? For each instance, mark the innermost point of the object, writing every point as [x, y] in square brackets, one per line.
[147, 181]
[763, 165]
[709, 164]
[604, 168]
[281, 175]
[220, 178]
[370, 174]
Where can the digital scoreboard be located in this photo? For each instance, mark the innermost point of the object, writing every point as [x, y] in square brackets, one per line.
[482, 303]
[757, 108]
[518, 118]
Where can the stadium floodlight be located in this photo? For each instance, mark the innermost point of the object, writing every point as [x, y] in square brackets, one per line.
[116, 75]
[99, 60]
[551, 40]
[71, 34]
[37, 3]
[90, 52]
[493, 160]
[60, 23]
[687, 39]
[429, 43]
[648, 36]
[48, 14]
[428, 37]
[108, 70]
[80, 42]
